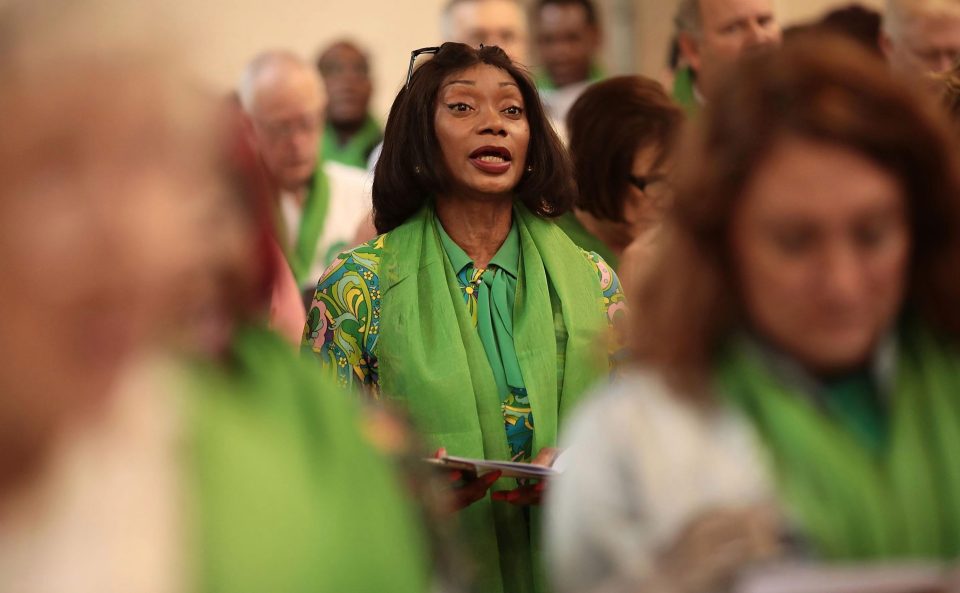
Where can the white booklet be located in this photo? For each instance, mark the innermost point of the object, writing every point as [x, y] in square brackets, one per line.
[850, 578]
[510, 469]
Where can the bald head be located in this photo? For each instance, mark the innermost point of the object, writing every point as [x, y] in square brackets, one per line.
[283, 98]
[921, 36]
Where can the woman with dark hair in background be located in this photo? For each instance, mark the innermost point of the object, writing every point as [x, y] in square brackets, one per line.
[472, 311]
[799, 336]
[621, 132]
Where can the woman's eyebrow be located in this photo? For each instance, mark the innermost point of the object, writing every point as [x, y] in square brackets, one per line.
[467, 82]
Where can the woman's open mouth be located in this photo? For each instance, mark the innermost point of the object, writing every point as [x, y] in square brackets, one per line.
[494, 160]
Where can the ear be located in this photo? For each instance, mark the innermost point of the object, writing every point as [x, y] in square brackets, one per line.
[886, 44]
[690, 50]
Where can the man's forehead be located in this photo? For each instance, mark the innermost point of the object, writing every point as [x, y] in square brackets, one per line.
[289, 91]
[936, 27]
[719, 12]
[489, 15]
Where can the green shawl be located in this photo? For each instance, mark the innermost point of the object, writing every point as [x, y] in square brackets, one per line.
[285, 493]
[586, 240]
[852, 503]
[433, 364]
[356, 151]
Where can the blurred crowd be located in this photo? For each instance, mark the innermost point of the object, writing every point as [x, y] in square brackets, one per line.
[542, 329]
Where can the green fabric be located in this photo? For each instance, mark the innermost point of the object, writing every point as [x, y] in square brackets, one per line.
[314, 217]
[684, 91]
[490, 294]
[854, 401]
[850, 502]
[286, 494]
[545, 83]
[439, 372]
[586, 240]
[356, 151]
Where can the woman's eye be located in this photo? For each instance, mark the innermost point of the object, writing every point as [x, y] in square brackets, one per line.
[459, 107]
[514, 110]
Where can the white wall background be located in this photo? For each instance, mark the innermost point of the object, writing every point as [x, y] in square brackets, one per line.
[224, 34]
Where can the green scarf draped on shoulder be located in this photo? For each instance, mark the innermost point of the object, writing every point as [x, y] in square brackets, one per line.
[315, 209]
[284, 492]
[356, 151]
[853, 502]
[432, 363]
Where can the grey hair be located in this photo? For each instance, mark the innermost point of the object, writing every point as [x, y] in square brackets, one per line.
[264, 61]
[687, 18]
[898, 12]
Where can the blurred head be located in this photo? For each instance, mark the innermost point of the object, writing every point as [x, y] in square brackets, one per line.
[714, 34]
[857, 22]
[812, 217]
[489, 22]
[106, 165]
[568, 37]
[471, 125]
[622, 132]
[346, 75]
[284, 100]
[921, 36]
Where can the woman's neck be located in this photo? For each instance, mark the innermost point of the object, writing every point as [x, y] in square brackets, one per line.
[615, 235]
[478, 226]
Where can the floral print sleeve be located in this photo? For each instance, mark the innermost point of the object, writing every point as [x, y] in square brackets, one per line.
[344, 319]
[616, 308]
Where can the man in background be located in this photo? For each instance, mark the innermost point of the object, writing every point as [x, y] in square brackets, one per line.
[491, 22]
[712, 35]
[319, 203]
[351, 133]
[568, 39]
[921, 37]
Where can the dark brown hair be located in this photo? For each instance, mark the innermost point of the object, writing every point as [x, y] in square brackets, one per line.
[826, 90]
[411, 168]
[609, 122]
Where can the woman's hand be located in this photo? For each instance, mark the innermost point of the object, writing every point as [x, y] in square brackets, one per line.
[467, 488]
[530, 494]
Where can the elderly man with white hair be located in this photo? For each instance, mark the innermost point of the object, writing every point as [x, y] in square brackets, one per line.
[921, 36]
[320, 203]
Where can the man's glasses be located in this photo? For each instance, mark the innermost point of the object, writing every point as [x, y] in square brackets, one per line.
[413, 60]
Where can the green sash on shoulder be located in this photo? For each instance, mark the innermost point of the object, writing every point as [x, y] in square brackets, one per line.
[314, 217]
[433, 364]
[357, 150]
[852, 503]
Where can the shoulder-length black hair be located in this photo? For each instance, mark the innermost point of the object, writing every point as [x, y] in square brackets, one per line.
[411, 168]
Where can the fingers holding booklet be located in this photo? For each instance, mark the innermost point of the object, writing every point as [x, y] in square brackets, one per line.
[473, 477]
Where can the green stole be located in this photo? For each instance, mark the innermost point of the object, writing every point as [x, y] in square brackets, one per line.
[357, 149]
[684, 93]
[433, 364]
[855, 503]
[285, 494]
[312, 221]
[586, 240]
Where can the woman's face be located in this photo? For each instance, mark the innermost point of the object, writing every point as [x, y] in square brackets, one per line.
[643, 208]
[821, 243]
[482, 129]
[96, 197]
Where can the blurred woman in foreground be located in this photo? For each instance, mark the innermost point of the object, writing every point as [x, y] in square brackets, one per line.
[243, 474]
[798, 341]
